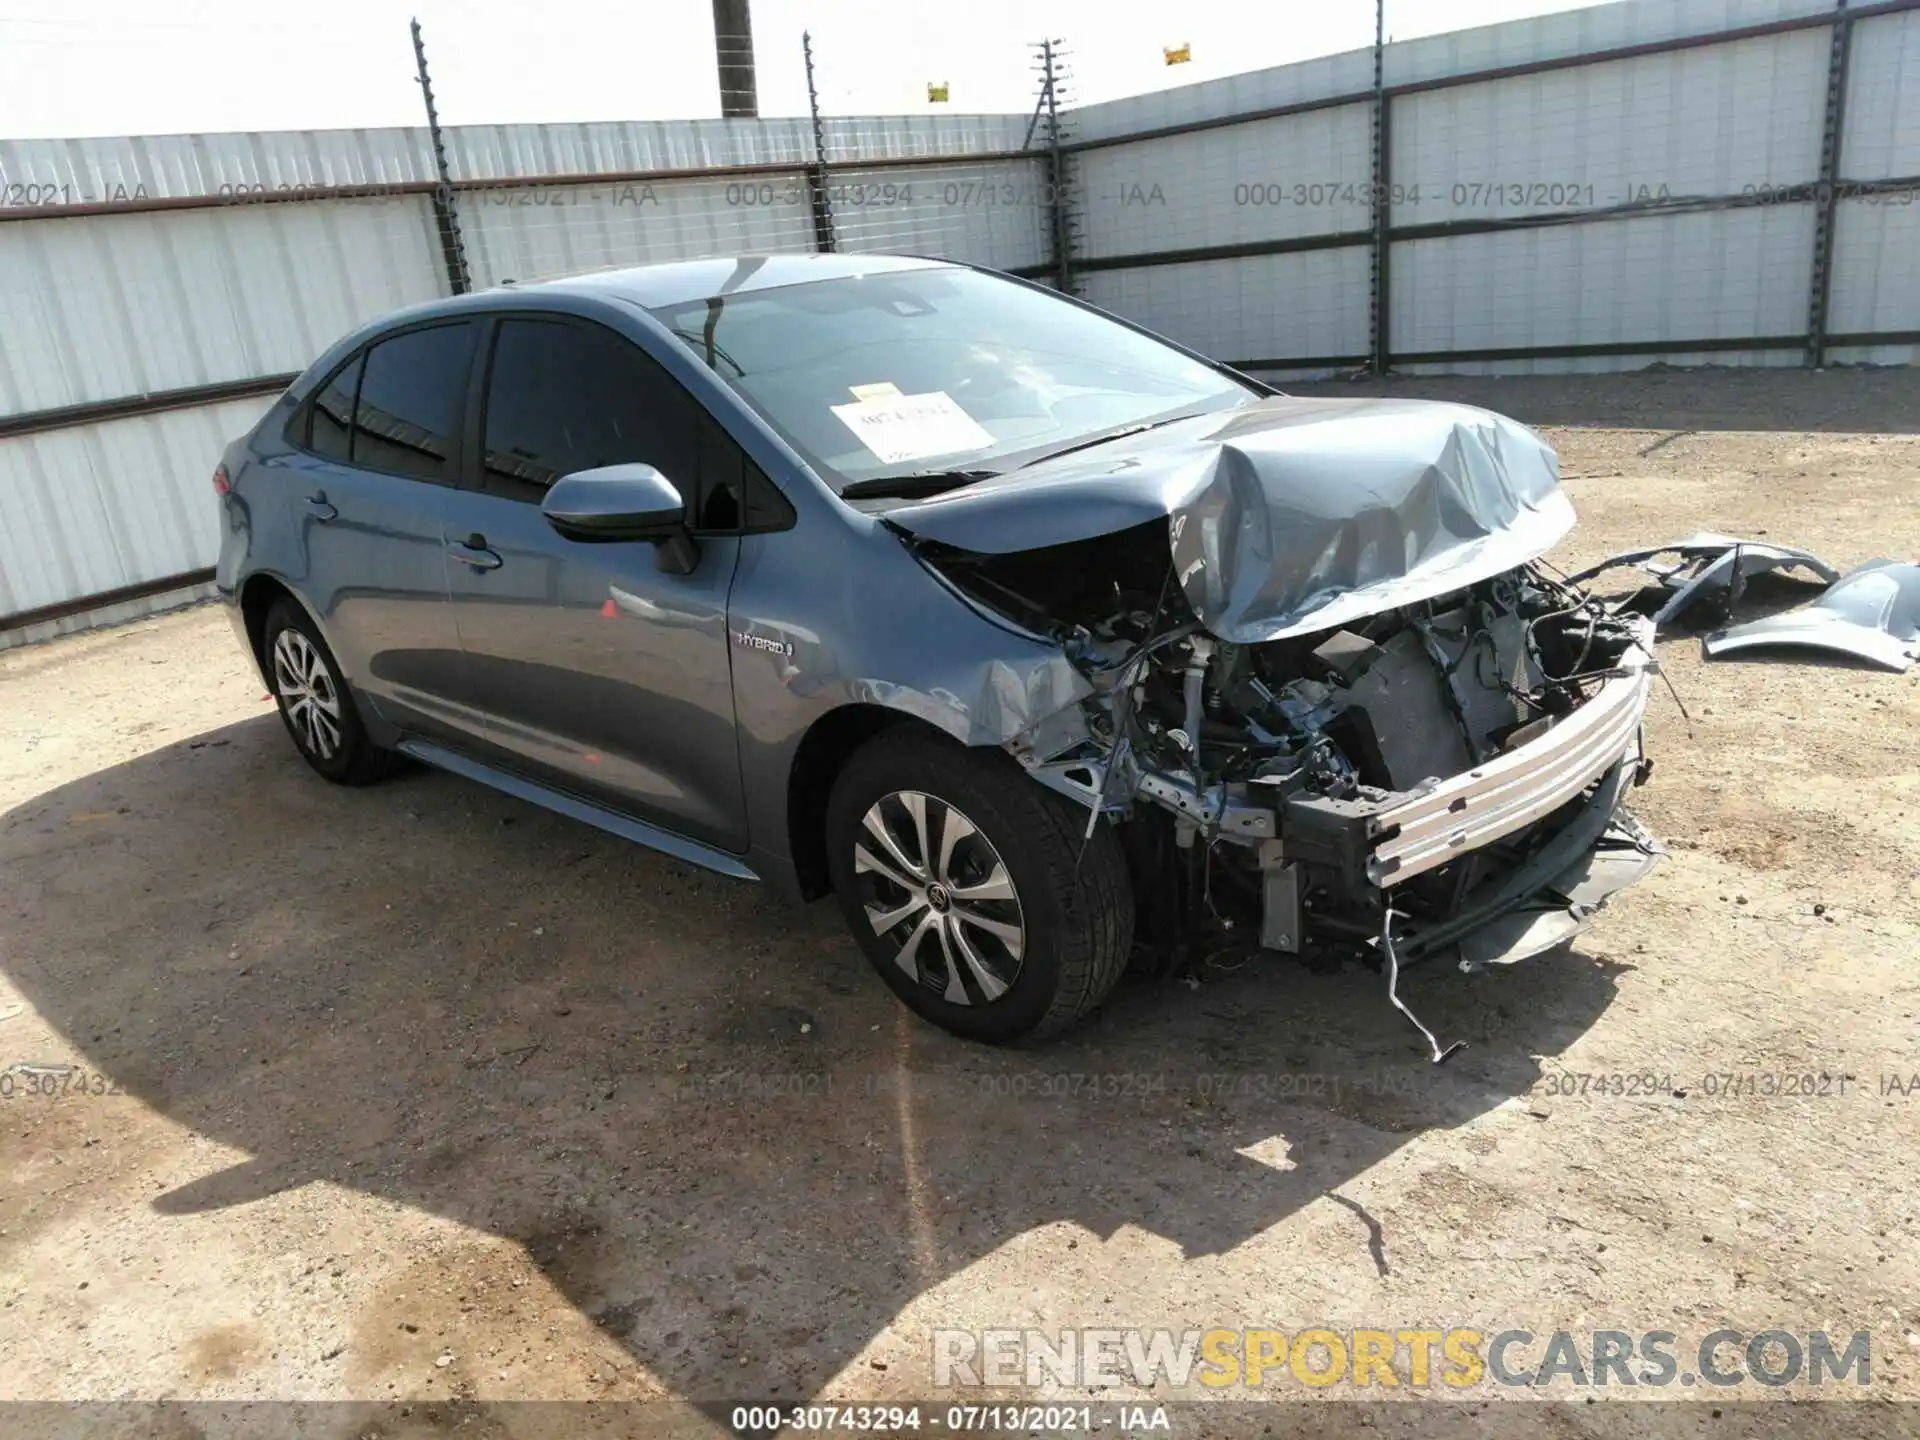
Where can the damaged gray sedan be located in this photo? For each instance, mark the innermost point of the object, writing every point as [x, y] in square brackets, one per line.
[1045, 645]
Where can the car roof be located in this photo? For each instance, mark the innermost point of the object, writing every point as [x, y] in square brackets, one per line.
[645, 286]
[679, 281]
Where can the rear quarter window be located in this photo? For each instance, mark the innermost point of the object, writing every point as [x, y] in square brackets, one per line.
[329, 419]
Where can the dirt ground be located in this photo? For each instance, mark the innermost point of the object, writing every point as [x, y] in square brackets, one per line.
[416, 1094]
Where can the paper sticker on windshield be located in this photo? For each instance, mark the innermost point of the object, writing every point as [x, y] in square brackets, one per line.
[875, 391]
[913, 427]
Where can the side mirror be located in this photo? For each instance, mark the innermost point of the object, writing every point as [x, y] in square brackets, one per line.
[623, 502]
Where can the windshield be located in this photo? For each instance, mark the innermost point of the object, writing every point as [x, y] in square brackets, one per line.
[907, 372]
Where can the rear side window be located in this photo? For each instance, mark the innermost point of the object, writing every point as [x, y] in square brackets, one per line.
[564, 397]
[332, 413]
[408, 413]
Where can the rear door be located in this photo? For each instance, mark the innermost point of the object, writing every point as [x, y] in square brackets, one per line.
[596, 671]
[381, 445]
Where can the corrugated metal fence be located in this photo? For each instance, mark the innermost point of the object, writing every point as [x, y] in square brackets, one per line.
[1695, 181]
[1731, 181]
[157, 292]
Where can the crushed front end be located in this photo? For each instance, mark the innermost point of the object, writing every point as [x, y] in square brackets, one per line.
[1337, 702]
[1446, 774]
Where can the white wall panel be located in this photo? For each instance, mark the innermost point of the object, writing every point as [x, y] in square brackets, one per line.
[1732, 274]
[97, 507]
[1515, 42]
[120, 168]
[874, 137]
[109, 306]
[1706, 122]
[1876, 265]
[1303, 174]
[494, 152]
[993, 213]
[1882, 135]
[527, 233]
[1346, 74]
[86, 171]
[1264, 307]
[487, 152]
[1580, 31]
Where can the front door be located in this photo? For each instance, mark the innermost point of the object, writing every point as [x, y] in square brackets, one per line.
[596, 671]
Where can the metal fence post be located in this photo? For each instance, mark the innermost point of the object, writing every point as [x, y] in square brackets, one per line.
[817, 172]
[452, 253]
[1379, 277]
[1060, 220]
[1826, 193]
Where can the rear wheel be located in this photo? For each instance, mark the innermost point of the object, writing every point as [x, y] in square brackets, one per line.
[958, 877]
[315, 704]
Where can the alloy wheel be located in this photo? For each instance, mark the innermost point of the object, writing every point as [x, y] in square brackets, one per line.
[306, 688]
[938, 888]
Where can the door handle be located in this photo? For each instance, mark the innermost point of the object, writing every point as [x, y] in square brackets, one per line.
[318, 507]
[473, 551]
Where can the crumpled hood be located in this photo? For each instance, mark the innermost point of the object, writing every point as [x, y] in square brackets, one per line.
[1288, 515]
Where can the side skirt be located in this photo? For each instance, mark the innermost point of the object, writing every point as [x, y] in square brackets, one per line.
[574, 808]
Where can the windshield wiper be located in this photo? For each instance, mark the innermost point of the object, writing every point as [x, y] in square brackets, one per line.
[1092, 440]
[705, 344]
[913, 487]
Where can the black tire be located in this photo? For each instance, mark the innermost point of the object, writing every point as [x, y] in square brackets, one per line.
[351, 759]
[1074, 933]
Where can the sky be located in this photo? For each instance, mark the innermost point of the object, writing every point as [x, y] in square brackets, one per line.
[131, 67]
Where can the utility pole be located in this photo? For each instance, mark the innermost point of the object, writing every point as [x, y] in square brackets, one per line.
[453, 253]
[733, 53]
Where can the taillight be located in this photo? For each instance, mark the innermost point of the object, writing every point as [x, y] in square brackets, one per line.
[221, 484]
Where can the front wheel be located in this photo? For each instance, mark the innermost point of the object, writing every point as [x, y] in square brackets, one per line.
[965, 884]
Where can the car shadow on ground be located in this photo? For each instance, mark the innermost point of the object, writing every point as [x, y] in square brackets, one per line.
[706, 1121]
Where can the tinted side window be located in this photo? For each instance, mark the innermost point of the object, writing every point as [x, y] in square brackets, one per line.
[409, 410]
[717, 499]
[564, 397]
[331, 414]
[733, 495]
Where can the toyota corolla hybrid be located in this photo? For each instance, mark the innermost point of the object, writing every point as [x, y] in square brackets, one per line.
[1041, 643]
